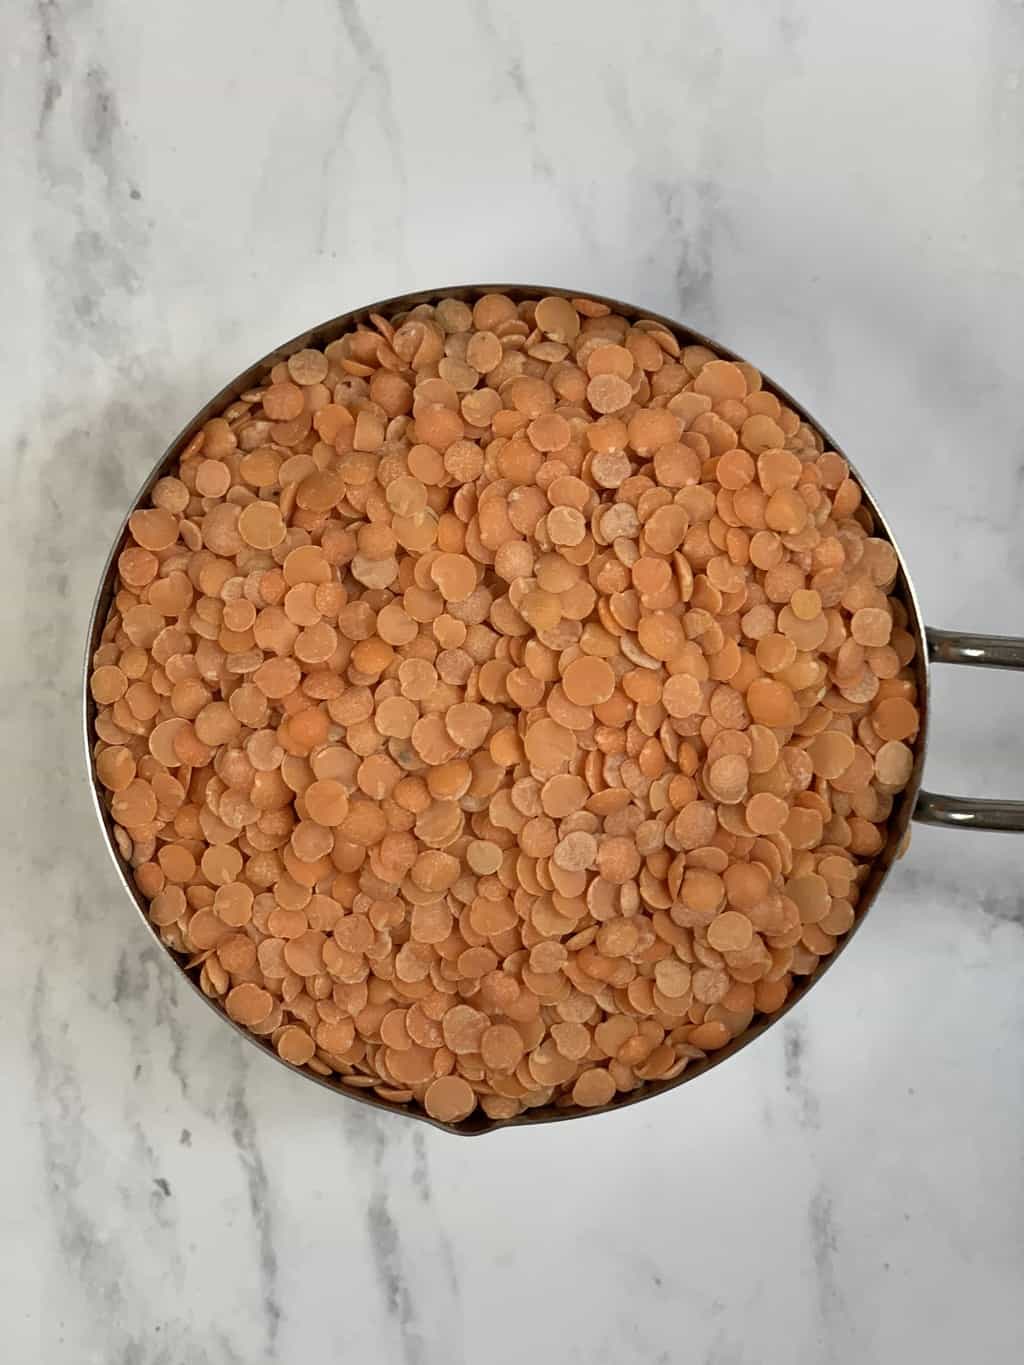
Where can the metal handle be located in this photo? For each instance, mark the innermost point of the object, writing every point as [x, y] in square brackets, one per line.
[968, 812]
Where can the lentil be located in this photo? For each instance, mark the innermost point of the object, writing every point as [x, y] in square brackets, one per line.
[503, 704]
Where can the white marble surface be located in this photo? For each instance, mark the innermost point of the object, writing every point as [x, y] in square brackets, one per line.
[833, 189]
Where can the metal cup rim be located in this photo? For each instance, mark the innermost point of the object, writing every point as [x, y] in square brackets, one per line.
[478, 1124]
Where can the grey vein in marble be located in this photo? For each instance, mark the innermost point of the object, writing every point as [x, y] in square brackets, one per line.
[261, 1200]
[386, 1245]
[824, 1248]
[794, 1042]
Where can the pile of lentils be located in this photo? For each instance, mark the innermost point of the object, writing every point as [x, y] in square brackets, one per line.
[503, 705]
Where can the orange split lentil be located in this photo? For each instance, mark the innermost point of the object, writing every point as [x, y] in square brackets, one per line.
[503, 704]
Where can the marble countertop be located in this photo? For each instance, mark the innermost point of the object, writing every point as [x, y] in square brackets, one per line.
[835, 191]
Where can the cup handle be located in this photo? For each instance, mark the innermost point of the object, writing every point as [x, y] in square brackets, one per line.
[968, 812]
